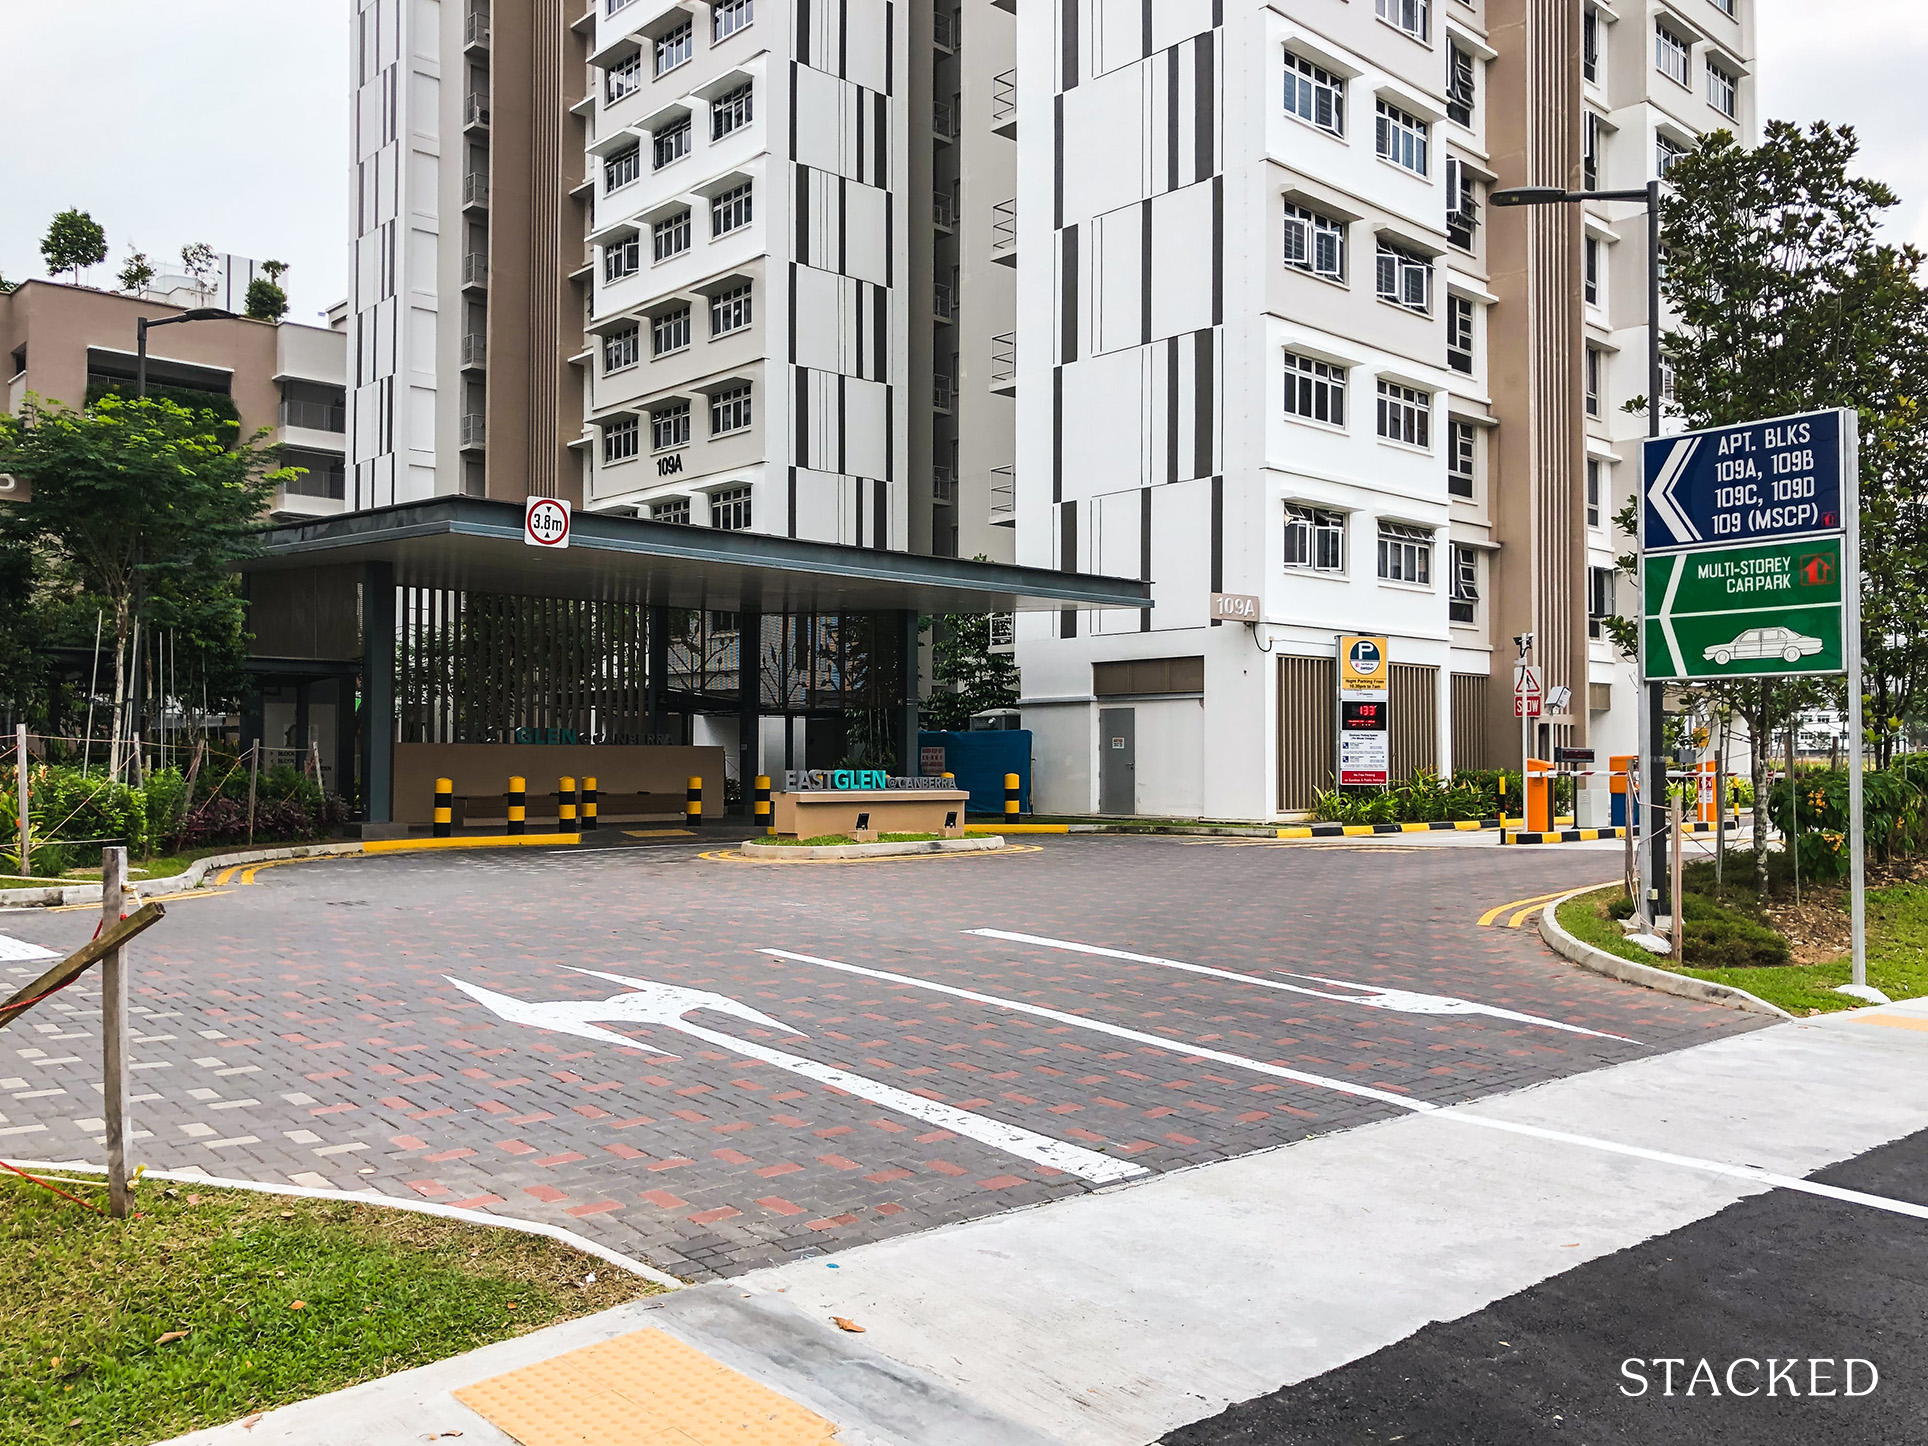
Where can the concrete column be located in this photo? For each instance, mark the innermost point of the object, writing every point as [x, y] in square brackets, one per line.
[378, 692]
[658, 679]
[344, 732]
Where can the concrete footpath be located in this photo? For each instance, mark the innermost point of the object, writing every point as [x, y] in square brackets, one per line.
[1110, 1319]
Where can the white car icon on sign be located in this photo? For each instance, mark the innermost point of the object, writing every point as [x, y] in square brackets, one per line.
[1783, 643]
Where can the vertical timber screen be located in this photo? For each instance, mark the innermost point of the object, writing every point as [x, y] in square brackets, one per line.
[1308, 727]
[1414, 700]
[1469, 720]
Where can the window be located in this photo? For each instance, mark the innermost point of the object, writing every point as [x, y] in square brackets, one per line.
[1667, 393]
[1315, 538]
[622, 348]
[1405, 279]
[1595, 481]
[622, 258]
[1315, 390]
[614, 5]
[620, 440]
[1594, 368]
[669, 427]
[674, 509]
[730, 509]
[1315, 243]
[1726, 7]
[1401, 139]
[671, 235]
[1459, 334]
[1405, 553]
[1591, 142]
[671, 143]
[730, 16]
[730, 311]
[1670, 53]
[1405, 414]
[1462, 215]
[730, 211]
[670, 332]
[1600, 600]
[1314, 95]
[730, 112]
[1459, 85]
[623, 78]
[1459, 458]
[674, 47]
[730, 411]
[1667, 150]
[1593, 270]
[1590, 45]
[1723, 90]
[622, 168]
[1408, 15]
[1463, 607]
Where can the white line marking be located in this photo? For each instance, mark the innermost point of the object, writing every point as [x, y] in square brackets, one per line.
[1402, 1001]
[666, 1004]
[1177, 1047]
[20, 949]
[1661, 494]
[1667, 615]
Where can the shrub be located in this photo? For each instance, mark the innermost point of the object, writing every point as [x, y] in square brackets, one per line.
[165, 796]
[1355, 806]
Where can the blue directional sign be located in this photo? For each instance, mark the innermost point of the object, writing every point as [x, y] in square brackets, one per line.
[1756, 482]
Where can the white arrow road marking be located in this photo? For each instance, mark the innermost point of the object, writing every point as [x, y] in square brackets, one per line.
[19, 951]
[1173, 1046]
[1661, 494]
[1667, 616]
[1401, 1001]
[666, 1004]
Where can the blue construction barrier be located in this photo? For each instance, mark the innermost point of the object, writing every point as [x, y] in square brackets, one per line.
[980, 760]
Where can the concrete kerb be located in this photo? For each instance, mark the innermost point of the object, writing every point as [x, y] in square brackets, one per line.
[785, 853]
[189, 877]
[1587, 956]
[375, 1197]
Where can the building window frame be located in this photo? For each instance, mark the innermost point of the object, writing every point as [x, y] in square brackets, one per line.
[1315, 243]
[1463, 603]
[1462, 89]
[1591, 255]
[1601, 601]
[1462, 220]
[623, 79]
[1461, 458]
[730, 311]
[1411, 18]
[730, 509]
[1667, 154]
[620, 441]
[1405, 415]
[669, 427]
[1590, 45]
[1595, 368]
[622, 259]
[1315, 95]
[1401, 139]
[1404, 278]
[733, 110]
[1315, 538]
[1592, 143]
[1723, 89]
[670, 237]
[622, 349]
[673, 510]
[730, 411]
[1460, 329]
[1596, 488]
[1315, 391]
[674, 47]
[669, 333]
[624, 168]
[1672, 54]
[730, 211]
[669, 144]
[727, 17]
[1406, 553]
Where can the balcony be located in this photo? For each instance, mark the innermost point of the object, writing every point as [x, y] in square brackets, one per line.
[943, 393]
[944, 121]
[473, 432]
[1004, 104]
[475, 193]
[945, 26]
[944, 211]
[1004, 363]
[475, 351]
[475, 270]
[1004, 496]
[475, 113]
[943, 485]
[475, 35]
[944, 302]
[314, 416]
[1004, 233]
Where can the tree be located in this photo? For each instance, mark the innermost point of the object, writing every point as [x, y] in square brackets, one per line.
[138, 272]
[74, 240]
[274, 270]
[969, 677]
[266, 301]
[133, 500]
[1786, 302]
[199, 258]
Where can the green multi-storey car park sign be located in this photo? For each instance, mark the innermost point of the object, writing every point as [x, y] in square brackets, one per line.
[1744, 612]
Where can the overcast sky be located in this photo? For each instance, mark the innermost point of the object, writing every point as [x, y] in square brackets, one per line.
[225, 121]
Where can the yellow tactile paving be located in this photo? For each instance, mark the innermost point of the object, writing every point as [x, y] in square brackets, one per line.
[1895, 1021]
[643, 1389]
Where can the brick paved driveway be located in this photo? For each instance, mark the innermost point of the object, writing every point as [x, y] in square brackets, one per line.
[303, 1028]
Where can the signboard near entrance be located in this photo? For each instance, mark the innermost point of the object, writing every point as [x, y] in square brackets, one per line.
[1365, 737]
[1746, 612]
[545, 522]
[1529, 691]
[1746, 483]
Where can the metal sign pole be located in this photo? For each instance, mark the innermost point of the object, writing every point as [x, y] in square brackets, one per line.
[1851, 600]
[113, 1031]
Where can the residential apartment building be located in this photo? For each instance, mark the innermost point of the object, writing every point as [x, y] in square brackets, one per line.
[1272, 344]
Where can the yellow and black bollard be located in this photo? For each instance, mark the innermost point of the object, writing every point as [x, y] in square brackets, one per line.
[518, 806]
[444, 806]
[588, 804]
[763, 818]
[566, 805]
[693, 803]
[1010, 798]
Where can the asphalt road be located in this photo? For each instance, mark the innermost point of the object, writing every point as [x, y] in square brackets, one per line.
[389, 1022]
[1780, 1290]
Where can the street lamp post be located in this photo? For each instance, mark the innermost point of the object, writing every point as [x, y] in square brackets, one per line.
[144, 324]
[1652, 722]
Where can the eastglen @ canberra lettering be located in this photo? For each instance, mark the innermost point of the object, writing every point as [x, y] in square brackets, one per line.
[840, 780]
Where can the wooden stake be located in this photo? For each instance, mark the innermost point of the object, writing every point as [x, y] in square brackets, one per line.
[20, 779]
[113, 1030]
[1680, 904]
[254, 778]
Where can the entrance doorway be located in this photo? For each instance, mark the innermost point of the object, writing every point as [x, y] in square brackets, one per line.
[1118, 761]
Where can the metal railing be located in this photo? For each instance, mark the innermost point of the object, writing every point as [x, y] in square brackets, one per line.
[475, 268]
[475, 111]
[315, 416]
[476, 32]
[475, 349]
[943, 483]
[945, 26]
[474, 431]
[1004, 231]
[1004, 103]
[944, 209]
[1004, 494]
[944, 301]
[475, 190]
[944, 120]
[943, 392]
[1004, 358]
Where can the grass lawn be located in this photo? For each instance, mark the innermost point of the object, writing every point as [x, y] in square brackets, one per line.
[829, 840]
[1897, 953]
[281, 1299]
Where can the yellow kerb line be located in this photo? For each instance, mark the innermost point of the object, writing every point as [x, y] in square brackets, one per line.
[1526, 906]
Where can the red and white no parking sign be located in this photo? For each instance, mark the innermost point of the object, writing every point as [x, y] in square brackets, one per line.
[546, 522]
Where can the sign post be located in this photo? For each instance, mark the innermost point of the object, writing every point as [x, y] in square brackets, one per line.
[1751, 568]
[1365, 692]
